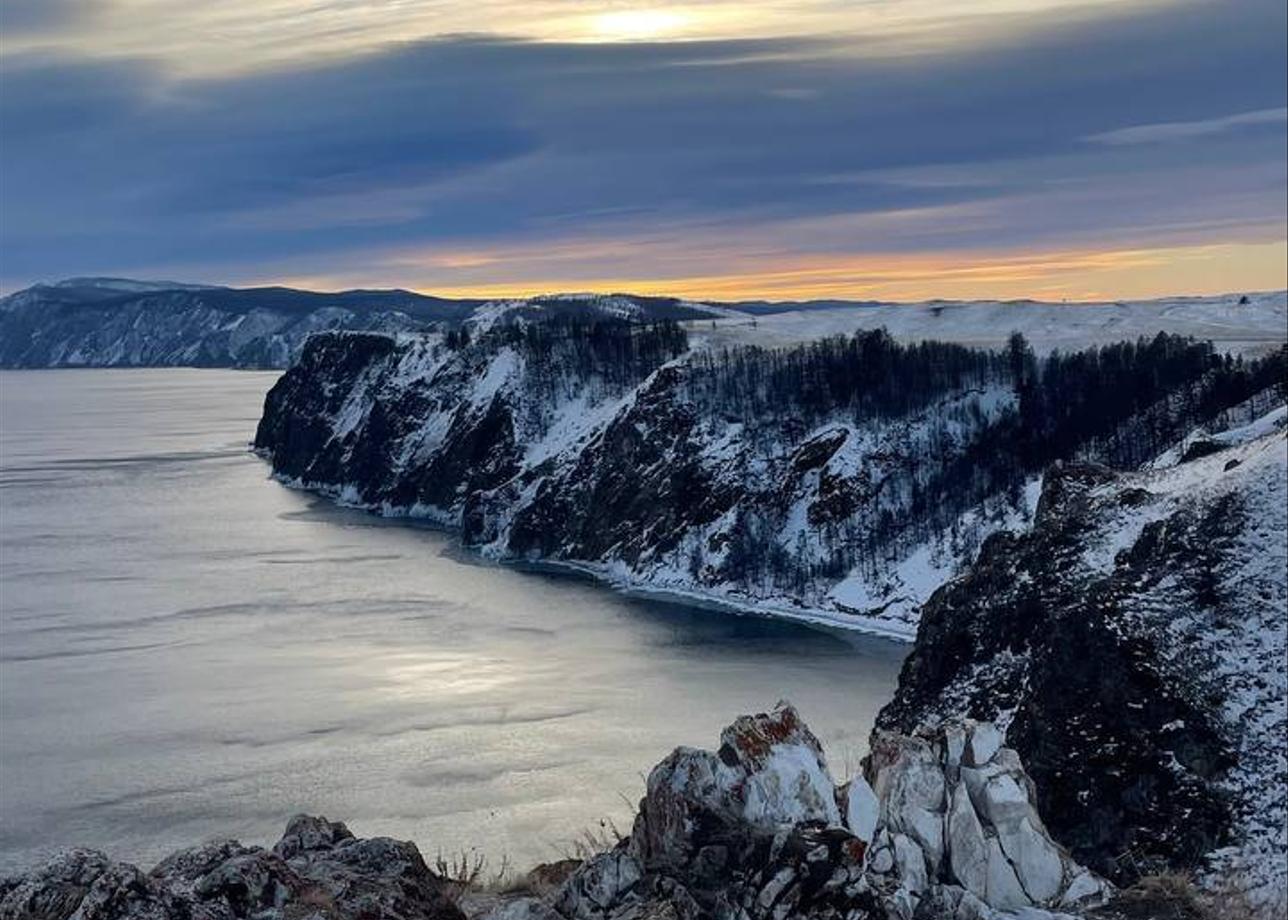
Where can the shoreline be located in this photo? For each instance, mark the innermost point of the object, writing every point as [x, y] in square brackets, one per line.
[600, 574]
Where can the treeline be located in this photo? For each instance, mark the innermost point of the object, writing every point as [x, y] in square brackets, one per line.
[858, 377]
[1168, 384]
[564, 354]
[1120, 404]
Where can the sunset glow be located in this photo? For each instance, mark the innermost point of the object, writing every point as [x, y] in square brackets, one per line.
[903, 150]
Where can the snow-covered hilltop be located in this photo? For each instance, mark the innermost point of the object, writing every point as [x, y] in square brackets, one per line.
[840, 481]
[98, 322]
[1234, 322]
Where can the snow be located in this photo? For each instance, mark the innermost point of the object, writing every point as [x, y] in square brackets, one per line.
[573, 422]
[1258, 325]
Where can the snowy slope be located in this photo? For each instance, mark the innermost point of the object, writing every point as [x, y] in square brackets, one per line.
[1260, 323]
[1136, 641]
[111, 322]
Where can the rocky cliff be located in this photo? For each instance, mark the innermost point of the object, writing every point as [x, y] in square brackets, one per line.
[841, 481]
[938, 826]
[1132, 647]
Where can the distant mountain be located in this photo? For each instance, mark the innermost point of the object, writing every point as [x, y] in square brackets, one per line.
[122, 322]
[111, 322]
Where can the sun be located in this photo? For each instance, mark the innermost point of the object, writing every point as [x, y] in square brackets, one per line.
[637, 25]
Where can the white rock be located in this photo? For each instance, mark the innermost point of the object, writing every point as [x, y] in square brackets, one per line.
[861, 809]
[967, 848]
[1005, 803]
[776, 765]
[903, 902]
[954, 744]
[882, 861]
[911, 863]
[927, 828]
[907, 774]
[1002, 888]
[792, 786]
[984, 742]
[597, 885]
[1036, 861]
[911, 788]
[1085, 890]
[972, 908]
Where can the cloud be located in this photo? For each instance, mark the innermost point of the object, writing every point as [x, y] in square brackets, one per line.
[790, 146]
[239, 36]
[1186, 130]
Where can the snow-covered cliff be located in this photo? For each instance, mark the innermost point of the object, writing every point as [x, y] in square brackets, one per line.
[1133, 646]
[839, 482]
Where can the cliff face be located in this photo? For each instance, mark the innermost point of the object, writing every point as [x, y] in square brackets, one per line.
[840, 482]
[1133, 644]
[1129, 640]
[633, 476]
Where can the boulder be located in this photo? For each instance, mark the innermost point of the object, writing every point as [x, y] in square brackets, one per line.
[862, 810]
[769, 773]
[967, 846]
[600, 886]
[305, 833]
[1002, 888]
[779, 767]
[984, 741]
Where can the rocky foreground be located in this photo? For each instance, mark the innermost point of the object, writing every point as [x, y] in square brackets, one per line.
[937, 826]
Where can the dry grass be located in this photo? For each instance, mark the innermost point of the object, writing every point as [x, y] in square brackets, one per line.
[1175, 896]
[467, 871]
[591, 841]
[1161, 896]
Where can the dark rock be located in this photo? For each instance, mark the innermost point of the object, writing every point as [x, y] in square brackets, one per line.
[330, 875]
[1201, 448]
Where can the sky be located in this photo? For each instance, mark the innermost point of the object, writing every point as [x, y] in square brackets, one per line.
[777, 149]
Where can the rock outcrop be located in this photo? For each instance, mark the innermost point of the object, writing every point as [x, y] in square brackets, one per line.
[939, 827]
[317, 870]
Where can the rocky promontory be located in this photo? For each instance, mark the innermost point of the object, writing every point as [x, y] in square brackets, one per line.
[942, 825]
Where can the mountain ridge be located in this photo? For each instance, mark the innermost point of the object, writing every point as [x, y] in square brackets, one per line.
[121, 322]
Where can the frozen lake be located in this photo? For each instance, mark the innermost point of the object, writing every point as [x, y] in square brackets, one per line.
[190, 650]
